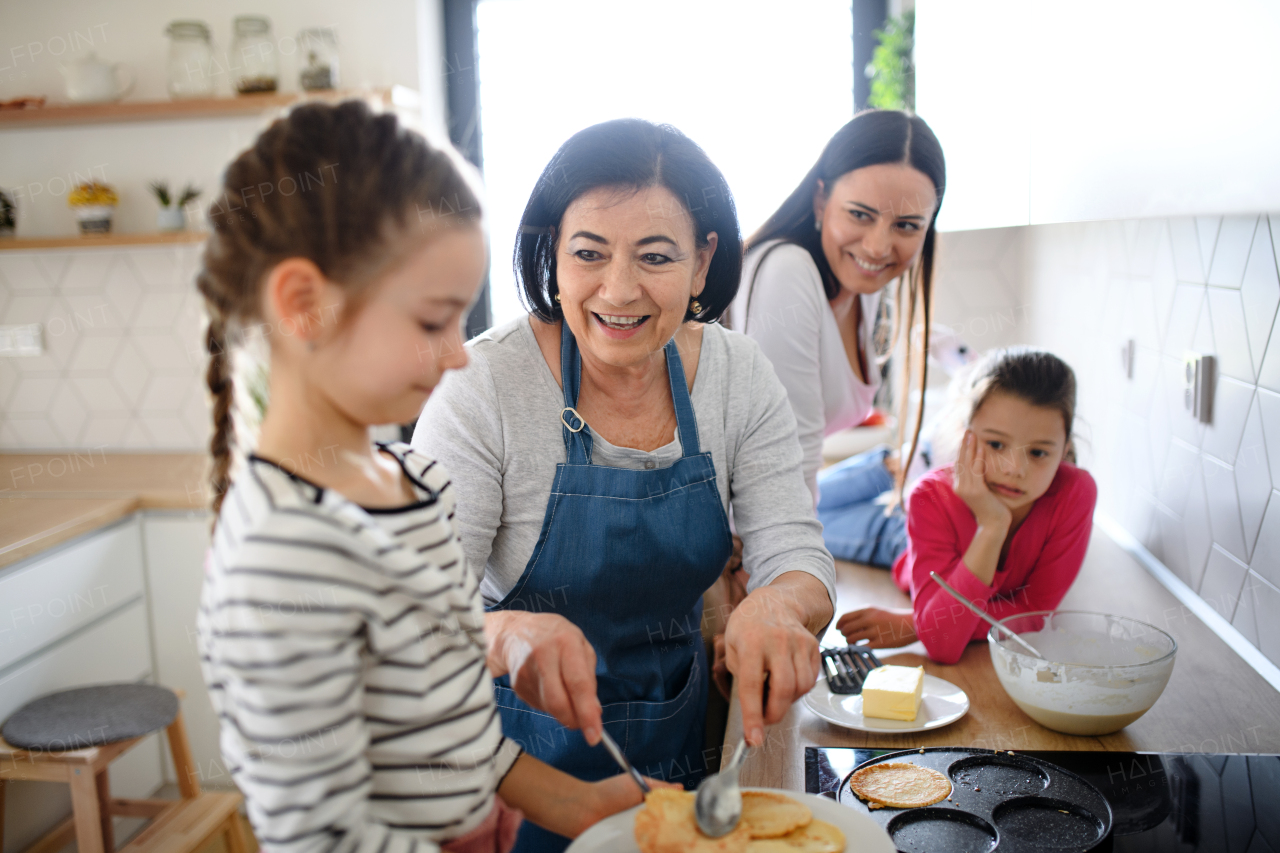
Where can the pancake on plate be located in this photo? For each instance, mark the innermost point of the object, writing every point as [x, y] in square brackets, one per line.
[666, 825]
[899, 785]
[771, 823]
[815, 837]
[771, 815]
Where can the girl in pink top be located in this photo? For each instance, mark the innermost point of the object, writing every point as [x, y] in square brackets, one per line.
[1007, 525]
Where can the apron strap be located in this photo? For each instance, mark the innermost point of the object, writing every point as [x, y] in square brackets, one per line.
[686, 421]
[577, 437]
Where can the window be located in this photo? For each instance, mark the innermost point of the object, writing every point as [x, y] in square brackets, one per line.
[760, 86]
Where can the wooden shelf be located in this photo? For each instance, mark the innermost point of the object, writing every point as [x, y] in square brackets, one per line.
[193, 108]
[159, 238]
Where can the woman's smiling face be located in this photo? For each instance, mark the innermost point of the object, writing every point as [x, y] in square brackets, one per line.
[874, 221]
[627, 265]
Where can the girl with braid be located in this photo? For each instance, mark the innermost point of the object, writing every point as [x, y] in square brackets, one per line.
[340, 629]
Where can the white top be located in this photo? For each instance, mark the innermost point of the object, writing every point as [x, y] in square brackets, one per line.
[496, 425]
[344, 652]
[792, 321]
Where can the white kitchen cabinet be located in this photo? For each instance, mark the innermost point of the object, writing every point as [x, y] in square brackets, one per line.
[115, 605]
[115, 648]
[1101, 109]
[174, 545]
[58, 593]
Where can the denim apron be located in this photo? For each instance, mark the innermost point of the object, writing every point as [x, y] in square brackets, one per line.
[626, 556]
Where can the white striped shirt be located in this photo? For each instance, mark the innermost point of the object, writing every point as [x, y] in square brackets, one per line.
[344, 652]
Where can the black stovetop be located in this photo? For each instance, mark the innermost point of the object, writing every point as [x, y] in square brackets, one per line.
[1162, 802]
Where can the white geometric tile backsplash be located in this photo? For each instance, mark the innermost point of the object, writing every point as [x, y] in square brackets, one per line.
[1205, 500]
[123, 362]
[123, 370]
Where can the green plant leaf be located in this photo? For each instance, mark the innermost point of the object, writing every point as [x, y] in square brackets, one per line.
[892, 69]
[160, 189]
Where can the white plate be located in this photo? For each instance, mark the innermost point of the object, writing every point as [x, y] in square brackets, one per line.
[862, 834]
[943, 703]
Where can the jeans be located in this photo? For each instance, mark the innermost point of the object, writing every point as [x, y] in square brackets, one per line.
[854, 526]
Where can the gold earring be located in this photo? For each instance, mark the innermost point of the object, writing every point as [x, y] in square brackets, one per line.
[695, 307]
[557, 297]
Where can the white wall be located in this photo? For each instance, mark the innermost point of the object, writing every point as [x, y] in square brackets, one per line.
[1101, 109]
[378, 44]
[1201, 498]
[122, 327]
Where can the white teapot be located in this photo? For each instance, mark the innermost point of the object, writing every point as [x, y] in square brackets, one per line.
[89, 80]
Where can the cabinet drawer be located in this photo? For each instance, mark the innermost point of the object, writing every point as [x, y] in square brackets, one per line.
[51, 596]
[118, 649]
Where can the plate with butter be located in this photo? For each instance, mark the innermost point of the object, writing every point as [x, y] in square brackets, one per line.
[894, 700]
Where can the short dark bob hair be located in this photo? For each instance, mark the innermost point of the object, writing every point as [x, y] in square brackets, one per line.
[629, 153]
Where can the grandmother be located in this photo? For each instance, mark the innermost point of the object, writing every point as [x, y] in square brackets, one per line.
[599, 447]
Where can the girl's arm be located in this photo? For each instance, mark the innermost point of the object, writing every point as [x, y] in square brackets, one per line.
[994, 519]
[1060, 560]
[937, 544]
[286, 679]
[563, 804]
[946, 626]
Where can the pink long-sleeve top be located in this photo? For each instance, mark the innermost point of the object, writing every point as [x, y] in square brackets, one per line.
[1043, 560]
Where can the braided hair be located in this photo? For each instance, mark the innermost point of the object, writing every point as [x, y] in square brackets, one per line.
[339, 185]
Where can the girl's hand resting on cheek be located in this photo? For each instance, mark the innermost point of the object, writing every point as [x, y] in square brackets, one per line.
[969, 482]
[884, 628]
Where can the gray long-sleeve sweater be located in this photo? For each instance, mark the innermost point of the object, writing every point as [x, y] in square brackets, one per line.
[495, 426]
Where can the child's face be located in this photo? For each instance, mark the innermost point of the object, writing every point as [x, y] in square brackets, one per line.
[1023, 445]
[386, 360]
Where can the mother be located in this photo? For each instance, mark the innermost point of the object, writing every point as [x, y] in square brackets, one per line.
[863, 216]
[598, 446]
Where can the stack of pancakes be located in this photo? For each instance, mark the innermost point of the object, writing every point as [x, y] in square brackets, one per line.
[771, 823]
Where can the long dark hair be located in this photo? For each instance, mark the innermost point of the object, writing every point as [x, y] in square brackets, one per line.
[338, 185]
[629, 153]
[869, 139]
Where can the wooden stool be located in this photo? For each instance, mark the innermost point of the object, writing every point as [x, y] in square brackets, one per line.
[177, 826]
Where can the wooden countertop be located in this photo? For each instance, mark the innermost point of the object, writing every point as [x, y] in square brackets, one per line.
[1214, 702]
[50, 498]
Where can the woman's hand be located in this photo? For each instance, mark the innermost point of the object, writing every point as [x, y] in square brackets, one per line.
[970, 483]
[551, 664]
[885, 628]
[770, 634]
[720, 675]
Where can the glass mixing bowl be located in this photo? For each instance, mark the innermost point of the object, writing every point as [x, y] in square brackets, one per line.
[1101, 672]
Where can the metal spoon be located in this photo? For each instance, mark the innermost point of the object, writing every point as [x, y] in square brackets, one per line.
[717, 806]
[969, 604]
[612, 746]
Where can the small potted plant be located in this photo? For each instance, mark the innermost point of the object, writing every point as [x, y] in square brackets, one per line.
[8, 215]
[172, 215]
[94, 204]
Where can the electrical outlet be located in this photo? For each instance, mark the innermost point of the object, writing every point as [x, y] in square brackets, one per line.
[1198, 375]
[1126, 357]
[21, 340]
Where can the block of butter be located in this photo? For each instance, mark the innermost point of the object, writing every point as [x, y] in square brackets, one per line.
[893, 692]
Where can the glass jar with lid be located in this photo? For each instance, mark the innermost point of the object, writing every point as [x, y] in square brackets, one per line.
[190, 67]
[255, 66]
[318, 49]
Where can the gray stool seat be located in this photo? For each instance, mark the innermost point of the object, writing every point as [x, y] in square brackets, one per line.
[90, 716]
